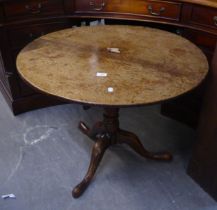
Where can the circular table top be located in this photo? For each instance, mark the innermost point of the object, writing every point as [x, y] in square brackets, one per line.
[148, 66]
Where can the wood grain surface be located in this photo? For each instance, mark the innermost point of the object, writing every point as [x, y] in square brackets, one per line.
[152, 66]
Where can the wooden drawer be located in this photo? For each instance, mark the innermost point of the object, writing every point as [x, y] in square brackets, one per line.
[151, 8]
[201, 39]
[32, 8]
[204, 16]
[158, 9]
[19, 37]
[120, 6]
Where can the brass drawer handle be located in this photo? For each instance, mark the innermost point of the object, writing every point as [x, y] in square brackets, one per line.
[97, 7]
[34, 9]
[215, 20]
[150, 9]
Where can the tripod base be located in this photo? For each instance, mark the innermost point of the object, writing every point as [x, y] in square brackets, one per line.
[105, 134]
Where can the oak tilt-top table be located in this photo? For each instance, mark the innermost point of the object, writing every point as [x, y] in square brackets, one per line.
[112, 66]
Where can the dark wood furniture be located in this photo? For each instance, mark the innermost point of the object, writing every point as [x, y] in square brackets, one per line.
[24, 20]
[205, 172]
[78, 65]
[21, 21]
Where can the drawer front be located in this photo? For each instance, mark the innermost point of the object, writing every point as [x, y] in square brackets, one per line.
[19, 37]
[33, 8]
[151, 8]
[159, 9]
[120, 6]
[204, 16]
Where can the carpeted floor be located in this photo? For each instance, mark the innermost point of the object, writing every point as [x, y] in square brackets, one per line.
[43, 155]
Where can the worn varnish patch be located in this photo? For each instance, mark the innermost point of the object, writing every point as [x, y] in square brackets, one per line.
[152, 66]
